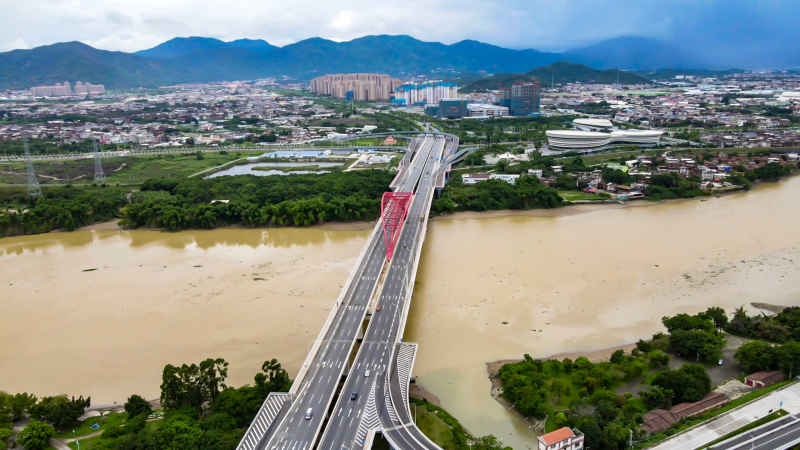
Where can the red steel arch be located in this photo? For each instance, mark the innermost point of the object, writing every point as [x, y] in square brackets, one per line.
[394, 207]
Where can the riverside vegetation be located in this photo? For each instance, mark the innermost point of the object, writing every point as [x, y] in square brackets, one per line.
[595, 398]
[175, 204]
[199, 411]
[301, 200]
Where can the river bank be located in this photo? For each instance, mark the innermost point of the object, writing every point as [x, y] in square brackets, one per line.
[496, 389]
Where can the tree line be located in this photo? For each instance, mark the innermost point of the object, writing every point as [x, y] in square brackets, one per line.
[61, 208]
[582, 394]
[297, 200]
[200, 411]
[527, 193]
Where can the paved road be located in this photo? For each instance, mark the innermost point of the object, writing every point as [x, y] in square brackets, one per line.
[787, 398]
[781, 433]
[291, 429]
[350, 418]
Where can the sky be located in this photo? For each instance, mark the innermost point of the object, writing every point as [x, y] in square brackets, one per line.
[729, 27]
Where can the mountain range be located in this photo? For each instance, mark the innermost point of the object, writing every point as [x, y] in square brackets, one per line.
[560, 72]
[203, 59]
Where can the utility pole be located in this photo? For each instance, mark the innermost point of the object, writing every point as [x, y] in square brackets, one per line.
[34, 190]
[99, 176]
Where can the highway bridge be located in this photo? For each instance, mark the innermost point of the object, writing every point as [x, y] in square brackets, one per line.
[354, 381]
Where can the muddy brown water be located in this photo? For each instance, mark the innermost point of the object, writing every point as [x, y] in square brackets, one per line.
[490, 287]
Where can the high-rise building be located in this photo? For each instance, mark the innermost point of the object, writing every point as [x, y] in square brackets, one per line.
[356, 86]
[65, 89]
[88, 88]
[427, 93]
[524, 99]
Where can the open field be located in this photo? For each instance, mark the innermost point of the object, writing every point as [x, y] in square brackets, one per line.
[121, 170]
[572, 196]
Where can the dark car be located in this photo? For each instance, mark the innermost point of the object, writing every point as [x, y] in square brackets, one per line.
[354, 396]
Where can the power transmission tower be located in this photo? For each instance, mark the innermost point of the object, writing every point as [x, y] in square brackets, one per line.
[99, 176]
[34, 190]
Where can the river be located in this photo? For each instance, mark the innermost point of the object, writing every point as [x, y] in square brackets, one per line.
[491, 286]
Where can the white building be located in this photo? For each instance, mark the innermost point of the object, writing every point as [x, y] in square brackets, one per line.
[578, 140]
[592, 124]
[473, 178]
[486, 110]
[427, 93]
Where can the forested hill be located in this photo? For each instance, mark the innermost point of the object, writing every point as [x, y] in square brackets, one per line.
[203, 59]
[557, 73]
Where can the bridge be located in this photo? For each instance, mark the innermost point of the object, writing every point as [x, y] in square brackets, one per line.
[354, 381]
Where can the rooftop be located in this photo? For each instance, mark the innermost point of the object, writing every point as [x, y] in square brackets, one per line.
[557, 436]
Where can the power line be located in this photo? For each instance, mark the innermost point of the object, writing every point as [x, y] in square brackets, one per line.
[34, 190]
[99, 176]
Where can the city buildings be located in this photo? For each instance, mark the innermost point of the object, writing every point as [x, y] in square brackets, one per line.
[65, 89]
[426, 93]
[524, 100]
[356, 86]
[561, 439]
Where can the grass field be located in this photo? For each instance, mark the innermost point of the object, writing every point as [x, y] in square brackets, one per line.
[140, 169]
[438, 424]
[121, 170]
[572, 196]
[86, 426]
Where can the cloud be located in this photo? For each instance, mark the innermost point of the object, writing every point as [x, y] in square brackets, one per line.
[729, 27]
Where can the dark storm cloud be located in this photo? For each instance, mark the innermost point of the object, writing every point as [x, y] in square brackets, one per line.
[730, 30]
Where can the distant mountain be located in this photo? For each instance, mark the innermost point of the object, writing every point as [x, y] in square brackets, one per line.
[74, 61]
[200, 59]
[182, 46]
[669, 74]
[564, 72]
[203, 59]
[497, 81]
[560, 72]
[632, 53]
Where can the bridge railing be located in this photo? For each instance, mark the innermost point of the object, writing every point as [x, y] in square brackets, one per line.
[312, 353]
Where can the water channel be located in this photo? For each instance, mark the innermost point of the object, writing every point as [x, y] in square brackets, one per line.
[491, 286]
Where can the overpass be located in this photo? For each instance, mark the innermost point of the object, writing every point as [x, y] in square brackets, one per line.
[374, 395]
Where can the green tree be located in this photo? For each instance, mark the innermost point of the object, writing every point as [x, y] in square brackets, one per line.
[137, 405]
[788, 357]
[273, 378]
[488, 442]
[658, 359]
[36, 435]
[60, 411]
[192, 385]
[718, 315]
[5, 435]
[755, 356]
[687, 384]
[697, 344]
